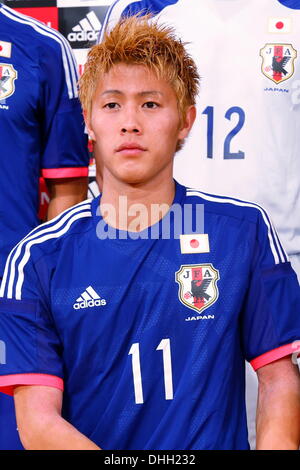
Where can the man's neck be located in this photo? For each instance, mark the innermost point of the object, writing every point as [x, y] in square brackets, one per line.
[133, 207]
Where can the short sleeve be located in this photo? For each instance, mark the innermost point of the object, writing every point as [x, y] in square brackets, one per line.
[64, 141]
[31, 351]
[271, 313]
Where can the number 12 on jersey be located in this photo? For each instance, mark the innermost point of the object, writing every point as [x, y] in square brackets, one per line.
[134, 351]
[228, 154]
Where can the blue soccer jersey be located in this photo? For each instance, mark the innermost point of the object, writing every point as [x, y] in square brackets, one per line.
[42, 130]
[147, 333]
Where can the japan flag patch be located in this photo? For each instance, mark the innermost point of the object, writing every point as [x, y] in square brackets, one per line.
[195, 243]
[280, 25]
[5, 49]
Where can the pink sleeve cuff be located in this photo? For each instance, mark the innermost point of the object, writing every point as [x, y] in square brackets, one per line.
[275, 354]
[65, 172]
[9, 382]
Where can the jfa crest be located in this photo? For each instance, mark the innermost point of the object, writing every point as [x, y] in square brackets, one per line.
[197, 285]
[8, 76]
[278, 61]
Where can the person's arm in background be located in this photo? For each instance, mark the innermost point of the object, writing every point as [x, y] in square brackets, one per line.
[278, 409]
[65, 156]
[40, 424]
[64, 193]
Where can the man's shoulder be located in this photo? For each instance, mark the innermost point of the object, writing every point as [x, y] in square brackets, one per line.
[226, 206]
[49, 236]
[43, 246]
[248, 218]
[23, 26]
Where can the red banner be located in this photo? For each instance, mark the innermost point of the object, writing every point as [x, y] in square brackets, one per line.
[47, 15]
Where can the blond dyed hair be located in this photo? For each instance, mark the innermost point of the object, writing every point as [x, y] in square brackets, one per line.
[137, 41]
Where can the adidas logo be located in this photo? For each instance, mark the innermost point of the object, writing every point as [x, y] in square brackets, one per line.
[87, 29]
[89, 298]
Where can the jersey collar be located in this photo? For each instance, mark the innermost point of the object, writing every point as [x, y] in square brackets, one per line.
[180, 193]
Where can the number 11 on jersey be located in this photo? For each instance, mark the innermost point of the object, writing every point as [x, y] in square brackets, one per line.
[134, 351]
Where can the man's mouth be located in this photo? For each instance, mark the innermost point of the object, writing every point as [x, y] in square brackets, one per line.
[130, 148]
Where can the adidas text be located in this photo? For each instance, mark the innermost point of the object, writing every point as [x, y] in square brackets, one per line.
[89, 303]
[83, 36]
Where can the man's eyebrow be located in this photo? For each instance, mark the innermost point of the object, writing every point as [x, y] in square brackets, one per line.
[142, 93]
[150, 92]
[112, 92]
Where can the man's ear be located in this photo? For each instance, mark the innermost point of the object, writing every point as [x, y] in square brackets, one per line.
[187, 124]
[88, 126]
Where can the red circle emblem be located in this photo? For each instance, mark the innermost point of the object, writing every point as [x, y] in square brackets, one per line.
[194, 243]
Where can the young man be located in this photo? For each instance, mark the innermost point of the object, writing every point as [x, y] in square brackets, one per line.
[245, 142]
[126, 332]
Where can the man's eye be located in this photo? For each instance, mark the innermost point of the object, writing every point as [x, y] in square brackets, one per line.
[111, 105]
[150, 105]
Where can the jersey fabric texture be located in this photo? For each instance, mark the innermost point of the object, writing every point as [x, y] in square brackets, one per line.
[42, 130]
[41, 133]
[149, 343]
[245, 142]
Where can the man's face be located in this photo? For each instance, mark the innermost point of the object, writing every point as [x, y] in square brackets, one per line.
[135, 124]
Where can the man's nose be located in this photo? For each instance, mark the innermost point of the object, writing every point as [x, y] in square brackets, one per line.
[131, 122]
[130, 129]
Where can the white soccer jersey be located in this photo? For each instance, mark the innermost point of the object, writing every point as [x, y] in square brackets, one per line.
[246, 140]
